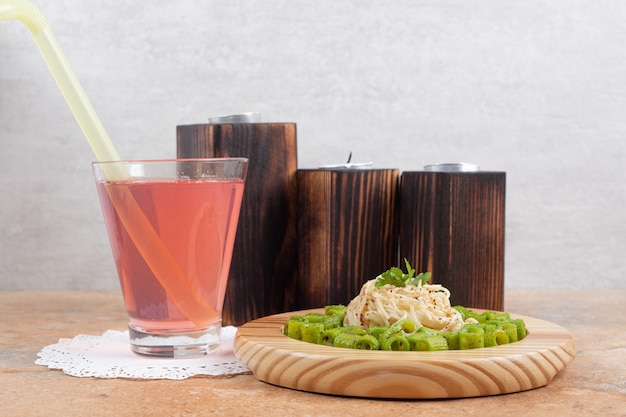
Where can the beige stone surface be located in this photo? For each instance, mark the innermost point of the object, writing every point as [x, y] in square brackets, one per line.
[594, 384]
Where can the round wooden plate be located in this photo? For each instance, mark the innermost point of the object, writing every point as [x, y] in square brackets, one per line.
[527, 364]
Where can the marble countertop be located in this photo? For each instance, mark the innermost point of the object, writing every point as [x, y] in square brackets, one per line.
[594, 384]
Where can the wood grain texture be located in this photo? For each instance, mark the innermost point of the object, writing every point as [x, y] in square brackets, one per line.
[452, 224]
[527, 364]
[264, 265]
[347, 232]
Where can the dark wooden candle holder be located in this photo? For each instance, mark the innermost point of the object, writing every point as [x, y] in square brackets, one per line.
[452, 224]
[347, 232]
[264, 265]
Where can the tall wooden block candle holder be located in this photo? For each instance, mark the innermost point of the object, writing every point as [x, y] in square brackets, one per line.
[264, 264]
[452, 224]
[347, 232]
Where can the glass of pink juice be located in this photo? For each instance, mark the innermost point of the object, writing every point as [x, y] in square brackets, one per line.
[171, 225]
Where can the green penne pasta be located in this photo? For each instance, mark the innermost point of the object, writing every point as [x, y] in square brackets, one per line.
[335, 310]
[377, 331]
[423, 342]
[314, 317]
[427, 331]
[332, 321]
[406, 326]
[345, 340]
[310, 332]
[471, 336]
[493, 329]
[383, 336]
[396, 342]
[467, 314]
[294, 328]
[497, 316]
[353, 330]
[327, 337]
[452, 338]
[521, 328]
[367, 342]
[490, 334]
[510, 329]
[502, 338]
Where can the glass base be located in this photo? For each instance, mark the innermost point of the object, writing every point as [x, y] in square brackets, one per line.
[175, 345]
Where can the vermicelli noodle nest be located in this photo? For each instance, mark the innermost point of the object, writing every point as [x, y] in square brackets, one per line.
[426, 304]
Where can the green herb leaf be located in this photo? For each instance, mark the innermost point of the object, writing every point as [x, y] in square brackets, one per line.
[396, 277]
[410, 271]
[423, 276]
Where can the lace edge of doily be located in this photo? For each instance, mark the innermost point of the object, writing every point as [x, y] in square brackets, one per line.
[80, 366]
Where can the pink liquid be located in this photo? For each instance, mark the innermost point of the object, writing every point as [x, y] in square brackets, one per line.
[195, 222]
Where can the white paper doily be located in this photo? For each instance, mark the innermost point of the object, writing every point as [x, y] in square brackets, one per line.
[109, 356]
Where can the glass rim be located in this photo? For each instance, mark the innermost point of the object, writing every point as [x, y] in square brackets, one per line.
[171, 160]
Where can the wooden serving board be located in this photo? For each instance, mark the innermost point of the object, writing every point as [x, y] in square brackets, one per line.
[527, 364]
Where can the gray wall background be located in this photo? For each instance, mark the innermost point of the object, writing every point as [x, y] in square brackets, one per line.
[533, 88]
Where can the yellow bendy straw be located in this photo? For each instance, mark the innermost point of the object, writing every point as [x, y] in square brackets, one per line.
[63, 74]
[141, 231]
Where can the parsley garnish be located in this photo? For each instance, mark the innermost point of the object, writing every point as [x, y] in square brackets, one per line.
[395, 276]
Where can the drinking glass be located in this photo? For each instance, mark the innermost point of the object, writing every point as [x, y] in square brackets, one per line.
[171, 226]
